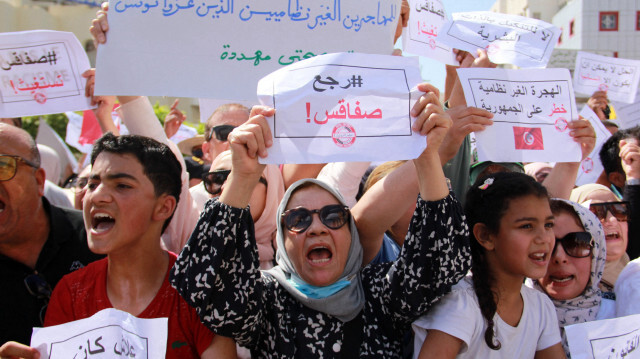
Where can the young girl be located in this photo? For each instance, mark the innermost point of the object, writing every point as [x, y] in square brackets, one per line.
[492, 314]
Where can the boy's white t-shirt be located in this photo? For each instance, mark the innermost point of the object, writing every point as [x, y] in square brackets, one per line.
[458, 314]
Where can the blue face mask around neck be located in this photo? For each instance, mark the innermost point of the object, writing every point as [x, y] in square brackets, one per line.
[314, 292]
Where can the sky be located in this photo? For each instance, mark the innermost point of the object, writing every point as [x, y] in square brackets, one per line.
[433, 71]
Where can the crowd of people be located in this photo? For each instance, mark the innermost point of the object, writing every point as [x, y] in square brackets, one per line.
[440, 256]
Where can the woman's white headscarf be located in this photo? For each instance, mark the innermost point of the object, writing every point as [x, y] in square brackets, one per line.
[585, 307]
[347, 302]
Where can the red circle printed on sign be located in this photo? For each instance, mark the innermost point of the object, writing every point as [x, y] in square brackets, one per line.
[343, 135]
[603, 87]
[432, 44]
[492, 49]
[561, 124]
[40, 98]
[587, 165]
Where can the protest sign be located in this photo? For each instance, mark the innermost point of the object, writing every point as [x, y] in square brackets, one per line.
[508, 39]
[628, 114]
[333, 108]
[221, 48]
[530, 114]
[420, 36]
[591, 167]
[110, 333]
[610, 338]
[618, 77]
[40, 73]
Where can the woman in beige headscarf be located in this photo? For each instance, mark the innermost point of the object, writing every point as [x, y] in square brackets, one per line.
[615, 228]
[263, 205]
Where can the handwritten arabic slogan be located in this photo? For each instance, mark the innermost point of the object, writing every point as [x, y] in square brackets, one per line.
[420, 36]
[591, 167]
[332, 108]
[110, 333]
[508, 39]
[619, 77]
[40, 73]
[221, 48]
[531, 114]
[608, 339]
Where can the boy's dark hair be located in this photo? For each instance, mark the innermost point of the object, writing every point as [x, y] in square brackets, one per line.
[610, 153]
[158, 162]
[486, 202]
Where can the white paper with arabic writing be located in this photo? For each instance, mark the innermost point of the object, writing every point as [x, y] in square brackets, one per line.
[109, 332]
[591, 167]
[40, 73]
[508, 39]
[627, 114]
[532, 109]
[221, 48]
[420, 36]
[610, 338]
[618, 77]
[342, 108]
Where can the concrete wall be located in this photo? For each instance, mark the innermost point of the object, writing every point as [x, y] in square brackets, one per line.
[585, 13]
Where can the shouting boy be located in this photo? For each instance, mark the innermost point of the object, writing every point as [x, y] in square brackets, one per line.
[132, 192]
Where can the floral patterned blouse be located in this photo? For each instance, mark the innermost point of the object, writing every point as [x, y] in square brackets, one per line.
[218, 273]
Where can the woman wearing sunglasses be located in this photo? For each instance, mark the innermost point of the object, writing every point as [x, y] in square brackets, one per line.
[319, 302]
[263, 203]
[613, 215]
[576, 267]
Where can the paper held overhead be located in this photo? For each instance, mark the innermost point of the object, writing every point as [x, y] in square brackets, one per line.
[332, 108]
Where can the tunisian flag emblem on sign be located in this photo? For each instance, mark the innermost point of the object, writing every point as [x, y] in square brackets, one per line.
[528, 138]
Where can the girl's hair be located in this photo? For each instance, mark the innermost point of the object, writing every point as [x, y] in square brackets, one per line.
[487, 201]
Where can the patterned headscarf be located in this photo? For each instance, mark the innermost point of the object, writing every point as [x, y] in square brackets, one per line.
[583, 308]
[344, 304]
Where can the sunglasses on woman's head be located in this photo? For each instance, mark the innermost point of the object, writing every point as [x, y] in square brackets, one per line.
[299, 219]
[214, 180]
[9, 166]
[576, 244]
[620, 210]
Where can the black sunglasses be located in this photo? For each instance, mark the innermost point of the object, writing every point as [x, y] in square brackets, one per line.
[576, 244]
[299, 219]
[39, 288]
[620, 210]
[221, 132]
[214, 180]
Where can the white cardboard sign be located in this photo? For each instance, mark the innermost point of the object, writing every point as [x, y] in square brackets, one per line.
[532, 109]
[508, 39]
[221, 48]
[591, 167]
[618, 77]
[110, 333]
[616, 338]
[343, 107]
[420, 37]
[40, 73]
